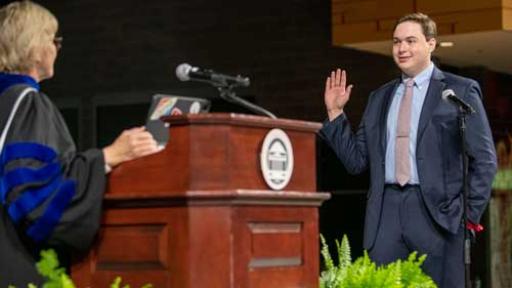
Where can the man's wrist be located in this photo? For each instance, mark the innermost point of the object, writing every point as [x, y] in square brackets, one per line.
[334, 113]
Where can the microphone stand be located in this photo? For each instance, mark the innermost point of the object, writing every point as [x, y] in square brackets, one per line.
[467, 237]
[226, 92]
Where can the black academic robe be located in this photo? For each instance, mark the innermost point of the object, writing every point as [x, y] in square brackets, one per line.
[52, 194]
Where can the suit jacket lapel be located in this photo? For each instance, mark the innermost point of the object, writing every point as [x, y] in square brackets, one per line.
[432, 98]
[386, 102]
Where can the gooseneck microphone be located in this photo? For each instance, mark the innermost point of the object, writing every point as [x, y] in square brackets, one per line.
[225, 84]
[450, 95]
[186, 72]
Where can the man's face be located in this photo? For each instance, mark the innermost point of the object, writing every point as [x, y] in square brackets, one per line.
[411, 50]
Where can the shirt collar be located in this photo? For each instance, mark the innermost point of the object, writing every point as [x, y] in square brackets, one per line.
[423, 77]
[8, 80]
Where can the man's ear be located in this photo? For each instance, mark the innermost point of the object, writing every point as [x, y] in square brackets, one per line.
[432, 43]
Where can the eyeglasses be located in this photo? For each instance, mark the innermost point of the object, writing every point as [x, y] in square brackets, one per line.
[57, 41]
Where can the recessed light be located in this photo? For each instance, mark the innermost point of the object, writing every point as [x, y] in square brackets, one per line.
[446, 44]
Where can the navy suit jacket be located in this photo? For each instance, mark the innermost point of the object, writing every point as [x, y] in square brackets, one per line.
[438, 152]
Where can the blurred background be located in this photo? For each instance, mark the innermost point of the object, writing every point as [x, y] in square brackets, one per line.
[118, 53]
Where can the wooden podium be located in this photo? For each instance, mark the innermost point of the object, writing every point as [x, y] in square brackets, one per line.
[199, 213]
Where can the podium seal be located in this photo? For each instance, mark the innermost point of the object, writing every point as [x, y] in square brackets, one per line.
[276, 159]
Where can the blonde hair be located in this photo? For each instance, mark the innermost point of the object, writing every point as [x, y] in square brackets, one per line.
[25, 28]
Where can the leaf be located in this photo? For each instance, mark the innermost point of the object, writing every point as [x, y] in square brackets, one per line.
[66, 281]
[329, 264]
[48, 266]
[56, 277]
[344, 254]
[116, 282]
[364, 273]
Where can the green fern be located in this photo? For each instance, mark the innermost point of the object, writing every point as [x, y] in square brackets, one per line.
[49, 268]
[344, 254]
[56, 277]
[412, 272]
[363, 273]
[329, 264]
[393, 274]
[327, 277]
[118, 280]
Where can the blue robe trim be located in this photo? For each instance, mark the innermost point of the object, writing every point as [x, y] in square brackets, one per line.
[31, 199]
[27, 176]
[43, 227]
[7, 80]
[26, 150]
[22, 150]
[41, 184]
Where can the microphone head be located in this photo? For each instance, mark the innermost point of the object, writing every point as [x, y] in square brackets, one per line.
[182, 71]
[245, 81]
[447, 92]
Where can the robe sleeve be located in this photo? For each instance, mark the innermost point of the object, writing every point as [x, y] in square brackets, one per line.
[52, 193]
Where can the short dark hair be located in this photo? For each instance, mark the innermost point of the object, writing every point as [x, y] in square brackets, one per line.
[428, 25]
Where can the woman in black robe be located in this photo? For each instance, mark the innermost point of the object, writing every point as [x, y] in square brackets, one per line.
[50, 194]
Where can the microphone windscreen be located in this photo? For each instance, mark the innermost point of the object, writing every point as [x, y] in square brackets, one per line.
[182, 71]
[447, 93]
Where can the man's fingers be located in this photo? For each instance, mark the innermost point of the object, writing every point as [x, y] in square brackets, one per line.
[343, 80]
[338, 77]
[349, 90]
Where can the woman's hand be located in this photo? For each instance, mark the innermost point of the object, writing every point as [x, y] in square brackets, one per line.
[131, 144]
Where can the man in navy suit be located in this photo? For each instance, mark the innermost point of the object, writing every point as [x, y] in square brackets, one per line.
[409, 138]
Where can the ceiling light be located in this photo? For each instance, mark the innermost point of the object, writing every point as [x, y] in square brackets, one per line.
[445, 44]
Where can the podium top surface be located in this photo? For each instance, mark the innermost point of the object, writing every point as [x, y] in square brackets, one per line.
[242, 120]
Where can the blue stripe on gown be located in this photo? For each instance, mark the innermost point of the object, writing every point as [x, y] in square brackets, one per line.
[42, 184]
[27, 176]
[43, 227]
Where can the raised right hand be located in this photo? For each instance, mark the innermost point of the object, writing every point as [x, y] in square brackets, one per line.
[337, 93]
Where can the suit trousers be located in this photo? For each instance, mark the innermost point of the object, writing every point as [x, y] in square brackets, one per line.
[406, 226]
